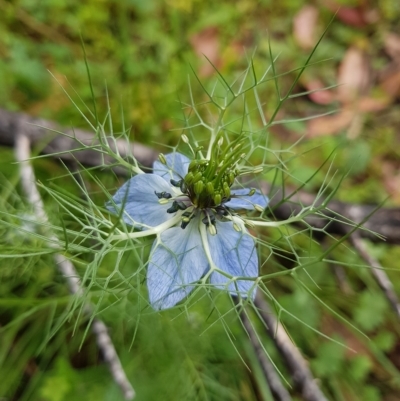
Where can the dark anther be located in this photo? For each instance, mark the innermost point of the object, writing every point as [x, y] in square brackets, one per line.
[164, 195]
[221, 211]
[173, 208]
[209, 219]
[184, 224]
[176, 183]
[176, 205]
[180, 205]
[187, 217]
[183, 186]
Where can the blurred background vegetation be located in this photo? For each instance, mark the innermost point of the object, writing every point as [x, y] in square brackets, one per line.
[140, 52]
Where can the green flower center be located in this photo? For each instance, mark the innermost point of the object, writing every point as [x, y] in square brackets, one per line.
[206, 185]
[208, 182]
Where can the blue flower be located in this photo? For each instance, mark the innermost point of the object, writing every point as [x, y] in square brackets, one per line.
[200, 238]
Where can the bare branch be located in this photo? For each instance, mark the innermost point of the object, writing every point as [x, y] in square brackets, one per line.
[278, 390]
[377, 271]
[66, 268]
[46, 134]
[301, 374]
[385, 221]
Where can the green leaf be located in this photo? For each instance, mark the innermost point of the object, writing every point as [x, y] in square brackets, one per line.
[385, 340]
[360, 366]
[370, 313]
[330, 359]
[57, 385]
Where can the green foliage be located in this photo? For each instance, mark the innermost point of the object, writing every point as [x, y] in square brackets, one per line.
[142, 50]
[59, 382]
[370, 313]
[330, 360]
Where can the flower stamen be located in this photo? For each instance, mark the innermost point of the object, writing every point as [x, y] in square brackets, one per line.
[163, 195]
[177, 205]
[186, 218]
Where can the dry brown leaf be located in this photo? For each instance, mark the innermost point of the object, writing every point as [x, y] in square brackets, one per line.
[206, 43]
[321, 96]
[353, 75]
[373, 104]
[304, 27]
[351, 16]
[392, 45]
[391, 84]
[330, 125]
[391, 180]
[354, 16]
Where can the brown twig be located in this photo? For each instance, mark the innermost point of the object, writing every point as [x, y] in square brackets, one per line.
[295, 362]
[278, 390]
[67, 269]
[68, 146]
[377, 271]
[385, 221]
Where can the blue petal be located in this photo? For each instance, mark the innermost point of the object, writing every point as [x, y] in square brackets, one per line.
[245, 201]
[139, 201]
[176, 168]
[235, 253]
[175, 263]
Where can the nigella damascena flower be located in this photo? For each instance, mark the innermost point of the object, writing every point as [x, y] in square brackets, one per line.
[191, 207]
